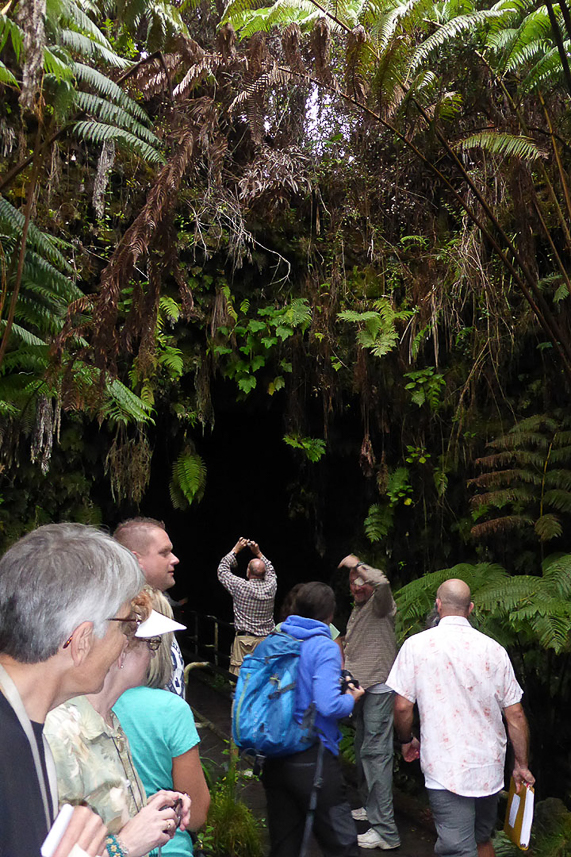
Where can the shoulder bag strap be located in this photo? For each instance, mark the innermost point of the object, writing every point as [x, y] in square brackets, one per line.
[10, 691]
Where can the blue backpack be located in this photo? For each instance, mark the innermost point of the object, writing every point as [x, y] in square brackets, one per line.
[263, 720]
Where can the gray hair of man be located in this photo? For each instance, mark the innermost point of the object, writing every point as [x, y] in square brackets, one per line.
[160, 669]
[57, 577]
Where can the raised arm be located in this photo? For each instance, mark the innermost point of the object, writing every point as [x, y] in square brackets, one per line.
[383, 601]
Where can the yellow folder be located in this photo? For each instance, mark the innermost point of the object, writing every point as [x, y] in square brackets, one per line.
[519, 815]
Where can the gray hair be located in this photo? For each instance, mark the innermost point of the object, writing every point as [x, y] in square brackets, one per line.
[57, 577]
[160, 669]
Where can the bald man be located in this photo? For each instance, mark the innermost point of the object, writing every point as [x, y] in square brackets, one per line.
[462, 682]
[253, 599]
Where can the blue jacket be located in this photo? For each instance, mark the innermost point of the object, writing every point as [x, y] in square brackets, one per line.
[318, 678]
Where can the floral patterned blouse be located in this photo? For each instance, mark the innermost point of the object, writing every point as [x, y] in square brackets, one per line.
[94, 763]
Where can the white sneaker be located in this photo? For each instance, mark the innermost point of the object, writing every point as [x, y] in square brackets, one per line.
[371, 839]
[360, 814]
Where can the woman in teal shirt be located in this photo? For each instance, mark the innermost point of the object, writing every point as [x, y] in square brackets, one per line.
[163, 739]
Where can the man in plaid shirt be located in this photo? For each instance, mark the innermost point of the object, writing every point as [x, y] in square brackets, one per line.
[253, 599]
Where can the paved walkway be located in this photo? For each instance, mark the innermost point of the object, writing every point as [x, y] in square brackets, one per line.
[212, 712]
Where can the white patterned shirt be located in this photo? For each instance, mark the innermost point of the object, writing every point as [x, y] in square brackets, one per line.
[461, 680]
[253, 599]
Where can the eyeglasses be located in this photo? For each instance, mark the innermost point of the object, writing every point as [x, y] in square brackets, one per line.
[154, 643]
[129, 624]
[129, 627]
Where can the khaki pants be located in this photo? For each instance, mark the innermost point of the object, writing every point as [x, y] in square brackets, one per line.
[243, 645]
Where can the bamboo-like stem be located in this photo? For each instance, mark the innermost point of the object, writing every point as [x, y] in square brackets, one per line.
[559, 42]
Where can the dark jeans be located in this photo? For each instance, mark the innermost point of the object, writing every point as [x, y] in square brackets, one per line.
[288, 783]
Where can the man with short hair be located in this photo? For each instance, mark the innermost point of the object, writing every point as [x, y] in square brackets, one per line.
[253, 600]
[65, 592]
[370, 649]
[462, 682]
[148, 539]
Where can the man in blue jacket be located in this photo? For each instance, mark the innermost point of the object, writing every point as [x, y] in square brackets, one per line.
[289, 780]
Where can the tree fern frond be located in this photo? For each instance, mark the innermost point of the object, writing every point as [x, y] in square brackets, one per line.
[114, 115]
[558, 499]
[66, 12]
[461, 24]
[56, 66]
[547, 70]
[548, 527]
[86, 47]
[497, 478]
[124, 406]
[508, 145]
[559, 478]
[501, 525]
[25, 335]
[106, 87]
[9, 30]
[6, 76]
[13, 220]
[378, 522]
[502, 497]
[97, 132]
[188, 480]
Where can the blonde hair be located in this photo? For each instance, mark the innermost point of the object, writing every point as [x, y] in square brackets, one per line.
[160, 669]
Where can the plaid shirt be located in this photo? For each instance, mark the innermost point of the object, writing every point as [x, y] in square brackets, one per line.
[253, 599]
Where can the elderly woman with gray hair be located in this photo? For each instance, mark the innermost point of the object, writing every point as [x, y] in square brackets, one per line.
[93, 759]
[163, 738]
[65, 608]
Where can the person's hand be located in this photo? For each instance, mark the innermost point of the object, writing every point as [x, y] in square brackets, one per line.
[184, 813]
[255, 548]
[411, 751]
[84, 829]
[349, 561]
[153, 826]
[356, 692]
[240, 544]
[522, 777]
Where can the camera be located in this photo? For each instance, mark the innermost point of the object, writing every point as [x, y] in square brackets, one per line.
[346, 679]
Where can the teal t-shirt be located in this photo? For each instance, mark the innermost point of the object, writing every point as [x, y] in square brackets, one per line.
[159, 726]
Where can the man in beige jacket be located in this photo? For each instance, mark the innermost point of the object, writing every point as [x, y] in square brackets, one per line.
[370, 650]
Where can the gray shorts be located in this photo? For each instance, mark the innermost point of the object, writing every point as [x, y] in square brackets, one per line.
[462, 823]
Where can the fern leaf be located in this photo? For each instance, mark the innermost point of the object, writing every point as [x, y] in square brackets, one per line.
[112, 114]
[6, 76]
[9, 30]
[106, 87]
[548, 527]
[86, 47]
[378, 522]
[188, 480]
[500, 525]
[507, 145]
[97, 132]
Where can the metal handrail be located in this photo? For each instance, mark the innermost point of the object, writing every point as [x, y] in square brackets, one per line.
[202, 642]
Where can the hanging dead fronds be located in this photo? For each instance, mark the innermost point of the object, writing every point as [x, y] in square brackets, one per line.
[258, 61]
[104, 166]
[355, 73]
[275, 175]
[226, 42]
[128, 465]
[291, 43]
[321, 51]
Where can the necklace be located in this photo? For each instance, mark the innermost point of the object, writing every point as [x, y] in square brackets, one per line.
[131, 779]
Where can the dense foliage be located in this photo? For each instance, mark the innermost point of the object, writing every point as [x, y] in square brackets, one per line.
[355, 216]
